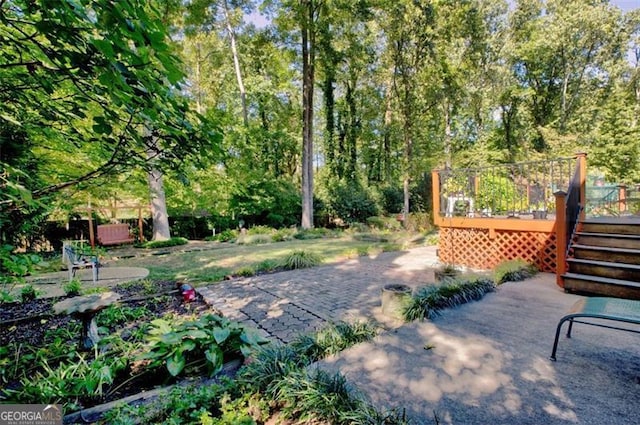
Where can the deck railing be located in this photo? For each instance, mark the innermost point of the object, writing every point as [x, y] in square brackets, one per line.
[511, 190]
[612, 200]
[492, 214]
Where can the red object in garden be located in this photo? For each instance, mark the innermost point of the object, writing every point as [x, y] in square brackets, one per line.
[188, 293]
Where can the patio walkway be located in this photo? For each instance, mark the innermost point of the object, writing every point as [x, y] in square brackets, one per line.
[485, 362]
[286, 304]
[52, 284]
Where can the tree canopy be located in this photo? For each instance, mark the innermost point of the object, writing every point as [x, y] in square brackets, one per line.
[362, 96]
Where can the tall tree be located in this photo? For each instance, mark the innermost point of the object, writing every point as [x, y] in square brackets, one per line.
[77, 82]
[205, 15]
[410, 43]
[308, 13]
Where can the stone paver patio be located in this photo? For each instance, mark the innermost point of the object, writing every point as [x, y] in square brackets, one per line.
[286, 304]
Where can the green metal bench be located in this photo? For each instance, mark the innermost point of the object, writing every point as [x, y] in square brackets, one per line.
[602, 309]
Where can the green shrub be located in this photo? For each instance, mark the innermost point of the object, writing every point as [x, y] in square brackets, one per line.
[316, 233]
[301, 259]
[357, 227]
[176, 241]
[73, 288]
[246, 271]
[260, 230]
[432, 239]
[377, 223]
[384, 223]
[348, 200]
[282, 235]
[419, 222]
[332, 339]
[196, 343]
[392, 247]
[28, 293]
[228, 235]
[257, 239]
[267, 266]
[70, 381]
[317, 395]
[182, 405]
[273, 362]
[428, 301]
[268, 367]
[116, 315]
[13, 269]
[371, 237]
[513, 271]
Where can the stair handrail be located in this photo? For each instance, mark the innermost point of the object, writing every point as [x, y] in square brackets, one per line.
[572, 204]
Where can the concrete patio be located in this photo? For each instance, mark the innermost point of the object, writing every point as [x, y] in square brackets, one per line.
[486, 362]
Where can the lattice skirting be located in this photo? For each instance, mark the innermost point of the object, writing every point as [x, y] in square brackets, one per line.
[475, 249]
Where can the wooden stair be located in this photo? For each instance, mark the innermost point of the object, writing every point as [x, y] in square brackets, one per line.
[604, 259]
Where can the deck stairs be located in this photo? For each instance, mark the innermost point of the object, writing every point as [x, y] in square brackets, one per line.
[604, 258]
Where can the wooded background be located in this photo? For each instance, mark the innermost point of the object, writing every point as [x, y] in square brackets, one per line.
[333, 109]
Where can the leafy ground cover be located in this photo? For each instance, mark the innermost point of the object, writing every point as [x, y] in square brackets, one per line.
[156, 339]
[141, 347]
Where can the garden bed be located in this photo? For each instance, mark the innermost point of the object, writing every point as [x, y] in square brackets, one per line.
[34, 342]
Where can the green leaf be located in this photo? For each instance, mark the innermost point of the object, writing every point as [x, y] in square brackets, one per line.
[215, 356]
[221, 334]
[171, 338]
[187, 345]
[10, 119]
[104, 46]
[198, 334]
[246, 350]
[175, 364]
[252, 338]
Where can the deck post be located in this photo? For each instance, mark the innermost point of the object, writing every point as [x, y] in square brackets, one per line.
[435, 193]
[622, 198]
[561, 237]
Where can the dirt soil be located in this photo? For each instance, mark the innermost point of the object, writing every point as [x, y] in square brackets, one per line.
[27, 324]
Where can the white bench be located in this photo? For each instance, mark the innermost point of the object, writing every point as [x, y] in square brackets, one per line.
[75, 261]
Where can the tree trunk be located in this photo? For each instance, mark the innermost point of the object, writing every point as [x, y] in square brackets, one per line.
[198, 89]
[307, 112]
[386, 147]
[330, 125]
[236, 64]
[352, 131]
[159, 213]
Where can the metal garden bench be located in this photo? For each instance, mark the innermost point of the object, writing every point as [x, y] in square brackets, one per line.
[77, 261]
[597, 311]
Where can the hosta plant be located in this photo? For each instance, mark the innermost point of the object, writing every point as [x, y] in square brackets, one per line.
[191, 344]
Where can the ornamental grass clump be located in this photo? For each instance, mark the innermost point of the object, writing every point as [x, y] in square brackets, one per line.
[317, 395]
[280, 376]
[333, 339]
[513, 271]
[301, 259]
[428, 301]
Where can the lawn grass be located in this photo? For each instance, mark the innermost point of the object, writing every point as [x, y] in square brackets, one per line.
[201, 267]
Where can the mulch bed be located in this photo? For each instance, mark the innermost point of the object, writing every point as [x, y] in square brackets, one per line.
[27, 324]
